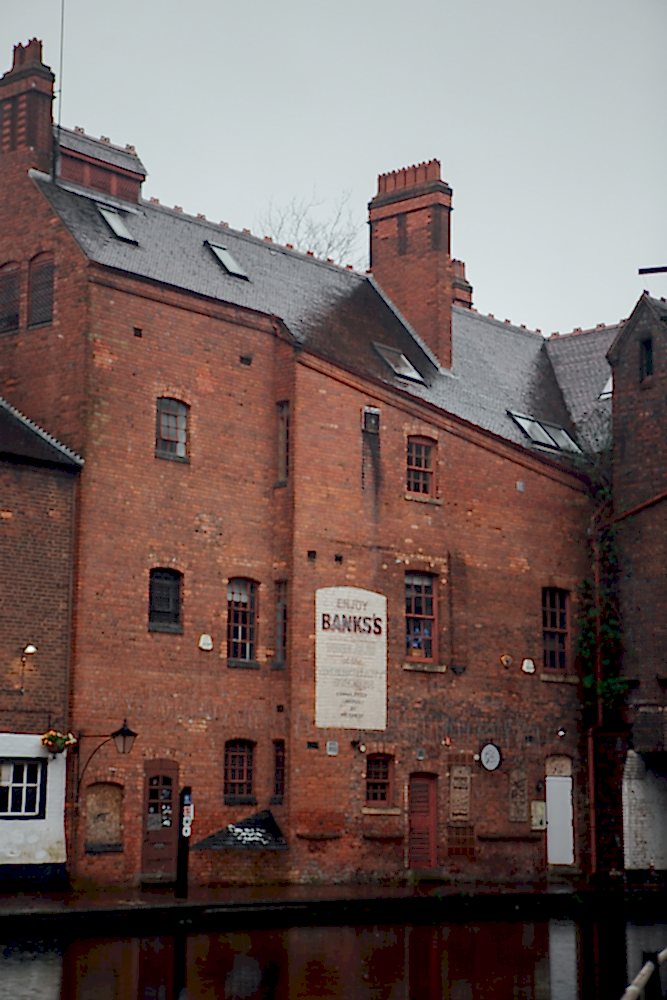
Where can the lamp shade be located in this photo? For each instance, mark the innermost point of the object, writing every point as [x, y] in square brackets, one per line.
[124, 738]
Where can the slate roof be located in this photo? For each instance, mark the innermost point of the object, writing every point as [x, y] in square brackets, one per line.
[22, 439]
[257, 832]
[340, 315]
[581, 367]
[86, 145]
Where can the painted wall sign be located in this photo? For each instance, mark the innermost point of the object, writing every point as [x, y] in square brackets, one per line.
[350, 658]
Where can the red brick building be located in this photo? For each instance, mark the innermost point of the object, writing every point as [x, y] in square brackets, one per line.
[330, 529]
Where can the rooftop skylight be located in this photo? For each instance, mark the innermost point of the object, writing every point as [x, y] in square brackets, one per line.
[398, 363]
[608, 388]
[545, 434]
[228, 261]
[114, 221]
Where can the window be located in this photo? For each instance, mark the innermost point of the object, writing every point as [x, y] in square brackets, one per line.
[370, 420]
[171, 431]
[238, 771]
[555, 628]
[283, 441]
[419, 615]
[281, 622]
[40, 290]
[164, 601]
[228, 261]
[398, 363]
[22, 789]
[421, 452]
[607, 389]
[543, 433]
[241, 619]
[278, 771]
[10, 276]
[646, 358]
[116, 224]
[378, 779]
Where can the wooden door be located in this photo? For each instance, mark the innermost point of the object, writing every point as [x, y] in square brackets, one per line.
[160, 840]
[423, 821]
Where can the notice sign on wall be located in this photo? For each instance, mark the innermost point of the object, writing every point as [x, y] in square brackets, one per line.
[350, 658]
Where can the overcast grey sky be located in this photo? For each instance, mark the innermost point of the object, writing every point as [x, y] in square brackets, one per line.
[547, 117]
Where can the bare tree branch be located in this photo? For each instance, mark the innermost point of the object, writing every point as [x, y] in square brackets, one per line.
[303, 222]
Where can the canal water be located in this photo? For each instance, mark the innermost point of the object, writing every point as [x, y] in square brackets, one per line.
[513, 960]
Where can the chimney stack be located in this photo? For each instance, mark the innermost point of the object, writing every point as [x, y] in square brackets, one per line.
[26, 98]
[410, 252]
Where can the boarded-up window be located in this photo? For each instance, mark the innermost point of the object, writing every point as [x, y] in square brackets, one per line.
[104, 803]
[40, 290]
[518, 804]
[459, 792]
[9, 297]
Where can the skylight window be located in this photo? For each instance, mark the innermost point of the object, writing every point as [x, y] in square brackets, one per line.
[228, 261]
[114, 221]
[608, 388]
[398, 363]
[545, 434]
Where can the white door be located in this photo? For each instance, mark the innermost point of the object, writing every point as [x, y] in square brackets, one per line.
[560, 833]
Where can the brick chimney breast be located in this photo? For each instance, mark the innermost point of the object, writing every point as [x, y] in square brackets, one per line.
[26, 97]
[410, 252]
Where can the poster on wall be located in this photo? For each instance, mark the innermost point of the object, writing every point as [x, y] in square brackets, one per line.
[350, 658]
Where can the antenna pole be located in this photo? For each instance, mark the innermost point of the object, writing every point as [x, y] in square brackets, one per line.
[56, 144]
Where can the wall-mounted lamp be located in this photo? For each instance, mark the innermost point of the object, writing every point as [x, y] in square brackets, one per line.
[123, 739]
[29, 650]
[561, 733]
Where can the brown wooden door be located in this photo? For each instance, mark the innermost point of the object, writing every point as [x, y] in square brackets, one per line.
[160, 841]
[422, 811]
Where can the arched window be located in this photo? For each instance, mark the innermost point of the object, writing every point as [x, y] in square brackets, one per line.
[10, 284]
[165, 604]
[420, 466]
[379, 774]
[241, 619]
[171, 429]
[239, 760]
[40, 289]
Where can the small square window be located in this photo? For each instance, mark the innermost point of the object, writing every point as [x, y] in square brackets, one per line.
[370, 420]
[379, 779]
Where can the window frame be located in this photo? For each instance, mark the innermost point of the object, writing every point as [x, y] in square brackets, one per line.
[174, 446]
[165, 582]
[555, 629]
[39, 784]
[646, 359]
[379, 781]
[10, 297]
[279, 772]
[241, 650]
[282, 622]
[239, 772]
[420, 643]
[41, 288]
[420, 478]
[283, 441]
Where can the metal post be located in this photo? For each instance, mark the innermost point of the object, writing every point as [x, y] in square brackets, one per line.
[185, 816]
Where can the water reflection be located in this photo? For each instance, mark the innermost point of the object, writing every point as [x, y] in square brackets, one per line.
[515, 960]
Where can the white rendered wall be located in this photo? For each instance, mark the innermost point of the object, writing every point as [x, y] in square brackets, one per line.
[644, 815]
[35, 841]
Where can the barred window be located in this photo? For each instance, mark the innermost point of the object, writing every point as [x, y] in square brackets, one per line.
[22, 789]
[281, 622]
[241, 619]
[165, 601]
[10, 285]
[379, 768]
[555, 637]
[171, 431]
[420, 456]
[239, 756]
[40, 289]
[420, 615]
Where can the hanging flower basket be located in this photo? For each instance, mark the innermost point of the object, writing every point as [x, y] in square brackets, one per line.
[56, 742]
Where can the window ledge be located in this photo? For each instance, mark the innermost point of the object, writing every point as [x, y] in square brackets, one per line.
[183, 459]
[164, 627]
[379, 811]
[279, 484]
[242, 664]
[276, 800]
[240, 800]
[35, 326]
[419, 666]
[323, 835]
[383, 837]
[424, 498]
[104, 848]
[279, 665]
[560, 678]
[510, 836]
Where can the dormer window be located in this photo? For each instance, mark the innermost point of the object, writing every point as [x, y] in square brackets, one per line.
[545, 434]
[116, 224]
[227, 259]
[398, 363]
